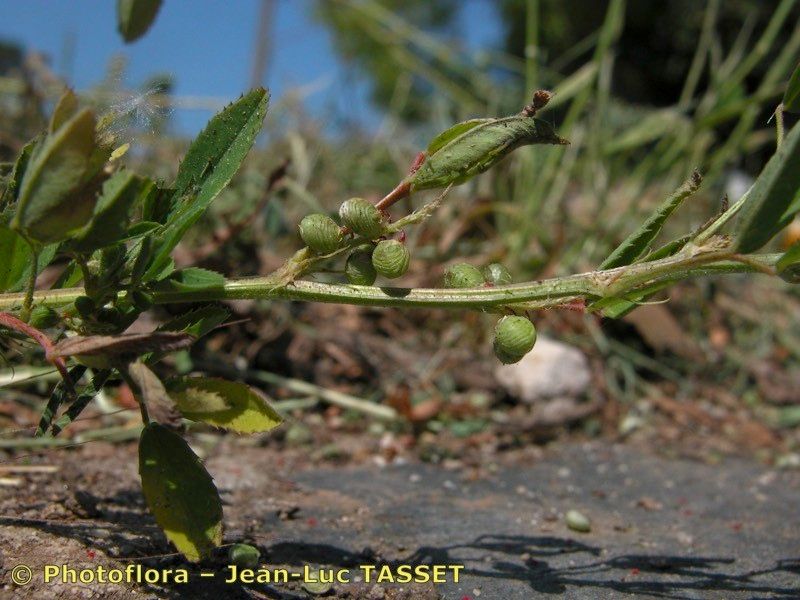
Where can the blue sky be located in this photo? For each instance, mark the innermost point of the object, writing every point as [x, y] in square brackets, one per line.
[206, 46]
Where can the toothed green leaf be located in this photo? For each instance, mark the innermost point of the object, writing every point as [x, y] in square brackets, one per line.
[227, 404]
[211, 162]
[180, 492]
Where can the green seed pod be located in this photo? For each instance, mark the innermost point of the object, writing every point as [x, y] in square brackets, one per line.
[43, 317]
[84, 305]
[244, 556]
[390, 258]
[462, 275]
[362, 218]
[321, 233]
[359, 268]
[496, 274]
[514, 337]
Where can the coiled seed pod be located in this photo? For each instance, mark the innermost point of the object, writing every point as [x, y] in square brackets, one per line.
[362, 217]
[43, 317]
[496, 274]
[359, 268]
[514, 337]
[320, 233]
[390, 258]
[462, 275]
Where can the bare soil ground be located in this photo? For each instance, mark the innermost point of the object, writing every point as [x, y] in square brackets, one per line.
[660, 528]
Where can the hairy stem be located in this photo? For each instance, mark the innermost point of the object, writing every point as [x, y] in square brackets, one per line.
[11, 322]
[548, 293]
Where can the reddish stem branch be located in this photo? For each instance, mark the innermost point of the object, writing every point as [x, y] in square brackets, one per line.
[12, 322]
[403, 189]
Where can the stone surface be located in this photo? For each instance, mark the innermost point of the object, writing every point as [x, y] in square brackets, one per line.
[552, 369]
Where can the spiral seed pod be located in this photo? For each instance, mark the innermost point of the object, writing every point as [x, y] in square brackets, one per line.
[390, 258]
[43, 317]
[514, 337]
[363, 218]
[359, 269]
[462, 275]
[320, 233]
[496, 274]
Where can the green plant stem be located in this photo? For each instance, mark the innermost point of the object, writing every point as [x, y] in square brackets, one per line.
[30, 288]
[779, 130]
[537, 294]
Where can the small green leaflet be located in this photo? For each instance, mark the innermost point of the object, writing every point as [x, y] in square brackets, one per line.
[209, 165]
[636, 244]
[52, 200]
[180, 492]
[198, 322]
[16, 260]
[191, 279]
[134, 17]
[774, 198]
[227, 404]
[111, 213]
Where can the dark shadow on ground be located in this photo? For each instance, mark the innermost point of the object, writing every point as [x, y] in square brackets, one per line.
[642, 572]
[657, 575]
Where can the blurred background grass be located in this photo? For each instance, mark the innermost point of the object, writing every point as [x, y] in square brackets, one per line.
[645, 91]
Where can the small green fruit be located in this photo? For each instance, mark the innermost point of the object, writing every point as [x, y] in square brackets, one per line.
[363, 218]
[43, 317]
[359, 268]
[244, 556]
[321, 233]
[514, 337]
[390, 258]
[462, 275]
[496, 274]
